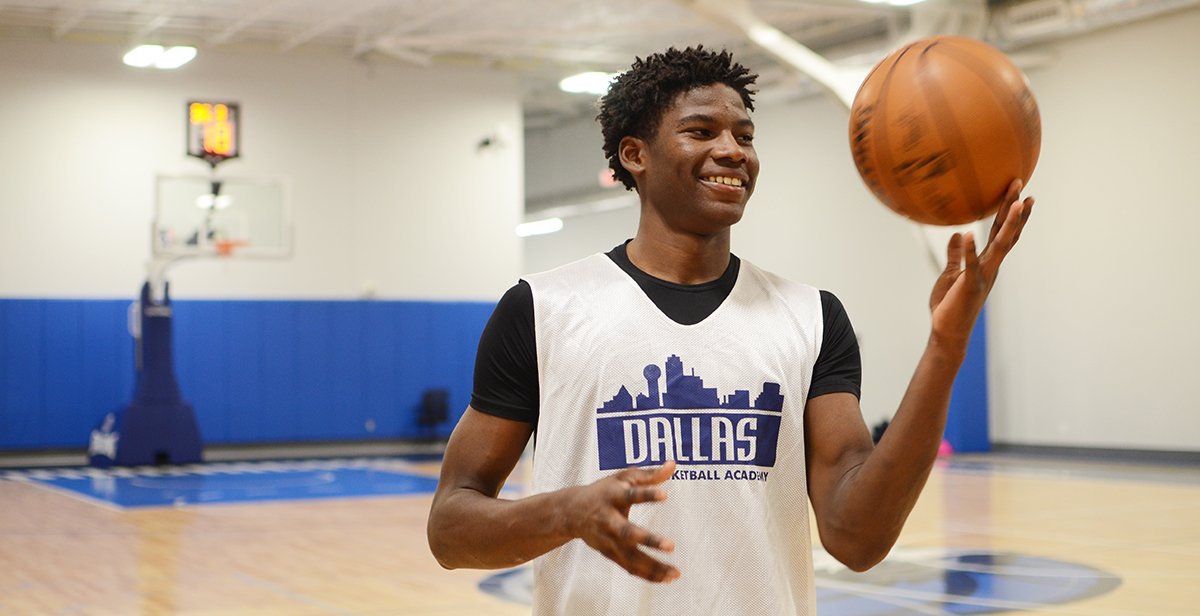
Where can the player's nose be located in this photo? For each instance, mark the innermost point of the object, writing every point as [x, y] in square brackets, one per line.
[727, 146]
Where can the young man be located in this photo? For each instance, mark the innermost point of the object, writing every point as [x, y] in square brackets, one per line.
[704, 479]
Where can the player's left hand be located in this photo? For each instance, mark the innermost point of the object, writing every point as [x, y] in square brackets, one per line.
[961, 289]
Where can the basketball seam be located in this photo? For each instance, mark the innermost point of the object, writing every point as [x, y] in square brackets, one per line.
[1001, 93]
[943, 118]
[882, 155]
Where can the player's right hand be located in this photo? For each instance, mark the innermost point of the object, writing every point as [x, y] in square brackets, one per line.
[599, 515]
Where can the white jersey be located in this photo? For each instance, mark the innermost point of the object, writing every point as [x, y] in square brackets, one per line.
[624, 385]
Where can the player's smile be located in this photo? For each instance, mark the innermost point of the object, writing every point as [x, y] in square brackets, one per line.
[702, 160]
[726, 183]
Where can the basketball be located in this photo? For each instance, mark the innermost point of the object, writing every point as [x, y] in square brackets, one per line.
[941, 127]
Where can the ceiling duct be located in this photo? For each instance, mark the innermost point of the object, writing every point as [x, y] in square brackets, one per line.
[1022, 23]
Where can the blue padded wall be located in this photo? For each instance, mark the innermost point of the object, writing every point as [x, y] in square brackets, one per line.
[254, 371]
[967, 421]
[63, 364]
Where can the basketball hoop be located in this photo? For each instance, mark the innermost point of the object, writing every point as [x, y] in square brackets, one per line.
[225, 247]
[204, 216]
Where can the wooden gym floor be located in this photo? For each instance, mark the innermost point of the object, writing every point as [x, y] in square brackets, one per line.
[1060, 536]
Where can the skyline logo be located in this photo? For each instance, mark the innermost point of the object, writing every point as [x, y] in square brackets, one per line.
[688, 423]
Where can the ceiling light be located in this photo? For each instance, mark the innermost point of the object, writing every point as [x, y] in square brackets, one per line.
[147, 55]
[214, 202]
[176, 57]
[592, 83]
[540, 227]
[144, 55]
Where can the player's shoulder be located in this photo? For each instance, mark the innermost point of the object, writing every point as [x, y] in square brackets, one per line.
[794, 292]
[781, 285]
[593, 270]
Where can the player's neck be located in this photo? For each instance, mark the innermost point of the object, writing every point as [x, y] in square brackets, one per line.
[681, 258]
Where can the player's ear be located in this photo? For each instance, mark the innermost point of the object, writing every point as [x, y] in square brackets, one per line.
[632, 153]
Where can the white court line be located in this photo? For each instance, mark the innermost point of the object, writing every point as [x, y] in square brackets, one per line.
[1057, 538]
[1058, 574]
[40, 477]
[937, 597]
[916, 606]
[1149, 474]
[292, 595]
[78, 496]
[1017, 571]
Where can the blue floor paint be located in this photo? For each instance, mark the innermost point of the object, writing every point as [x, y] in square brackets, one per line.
[232, 483]
[909, 581]
[917, 581]
[958, 582]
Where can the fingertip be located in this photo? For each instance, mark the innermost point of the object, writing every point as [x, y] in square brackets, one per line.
[671, 576]
[666, 545]
[662, 473]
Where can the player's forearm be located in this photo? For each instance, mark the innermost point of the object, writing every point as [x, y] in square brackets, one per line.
[468, 529]
[909, 447]
[878, 496]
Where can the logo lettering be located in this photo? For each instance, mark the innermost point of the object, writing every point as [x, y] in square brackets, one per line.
[748, 453]
[661, 443]
[635, 444]
[689, 438]
[689, 423]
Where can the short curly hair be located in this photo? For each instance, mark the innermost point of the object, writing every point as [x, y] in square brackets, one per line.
[638, 98]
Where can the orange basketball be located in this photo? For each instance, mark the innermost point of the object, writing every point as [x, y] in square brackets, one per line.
[941, 127]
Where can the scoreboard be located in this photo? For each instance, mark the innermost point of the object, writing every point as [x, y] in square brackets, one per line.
[212, 131]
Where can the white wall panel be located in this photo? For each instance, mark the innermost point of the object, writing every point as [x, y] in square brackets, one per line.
[1095, 339]
[388, 188]
[1093, 336]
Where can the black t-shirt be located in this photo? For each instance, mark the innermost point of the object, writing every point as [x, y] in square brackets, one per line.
[506, 377]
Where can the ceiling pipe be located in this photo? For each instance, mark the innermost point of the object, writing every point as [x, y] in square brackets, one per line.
[841, 83]
[1036, 21]
[929, 18]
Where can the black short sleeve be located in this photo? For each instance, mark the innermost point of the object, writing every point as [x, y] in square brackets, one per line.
[506, 378]
[839, 366]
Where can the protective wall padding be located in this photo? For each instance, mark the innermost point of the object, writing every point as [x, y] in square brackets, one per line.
[254, 371]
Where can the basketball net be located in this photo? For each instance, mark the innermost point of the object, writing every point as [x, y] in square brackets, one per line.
[224, 248]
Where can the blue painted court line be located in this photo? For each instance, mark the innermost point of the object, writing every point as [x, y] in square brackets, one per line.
[960, 583]
[233, 483]
[917, 581]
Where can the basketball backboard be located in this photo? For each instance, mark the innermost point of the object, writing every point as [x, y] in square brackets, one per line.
[234, 216]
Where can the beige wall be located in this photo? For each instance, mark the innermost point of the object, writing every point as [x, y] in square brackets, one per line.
[388, 187]
[1093, 335]
[1095, 338]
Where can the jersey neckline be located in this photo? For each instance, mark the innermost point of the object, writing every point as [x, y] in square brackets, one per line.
[683, 304]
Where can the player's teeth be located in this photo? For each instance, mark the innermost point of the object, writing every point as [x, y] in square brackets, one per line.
[725, 180]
